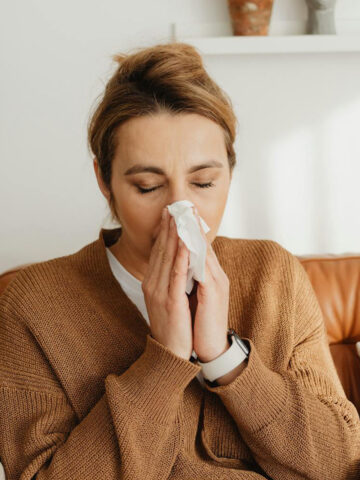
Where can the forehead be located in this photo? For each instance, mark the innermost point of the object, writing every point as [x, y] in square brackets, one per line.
[180, 134]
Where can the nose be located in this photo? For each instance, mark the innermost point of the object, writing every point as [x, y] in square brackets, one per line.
[177, 193]
[170, 202]
[175, 199]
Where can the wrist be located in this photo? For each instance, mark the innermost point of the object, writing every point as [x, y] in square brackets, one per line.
[228, 365]
[209, 357]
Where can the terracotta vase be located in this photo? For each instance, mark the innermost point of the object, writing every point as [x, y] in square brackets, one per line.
[250, 17]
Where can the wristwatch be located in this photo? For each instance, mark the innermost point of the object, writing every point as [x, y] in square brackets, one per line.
[236, 354]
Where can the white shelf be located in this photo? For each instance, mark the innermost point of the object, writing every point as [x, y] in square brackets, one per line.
[233, 45]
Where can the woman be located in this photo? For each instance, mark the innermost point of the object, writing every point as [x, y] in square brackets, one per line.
[96, 374]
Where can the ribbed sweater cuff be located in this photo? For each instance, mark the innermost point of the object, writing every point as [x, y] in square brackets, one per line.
[154, 383]
[257, 396]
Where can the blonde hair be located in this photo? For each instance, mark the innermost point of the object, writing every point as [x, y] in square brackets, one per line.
[162, 78]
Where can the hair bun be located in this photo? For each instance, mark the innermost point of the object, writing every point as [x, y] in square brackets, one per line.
[177, 60]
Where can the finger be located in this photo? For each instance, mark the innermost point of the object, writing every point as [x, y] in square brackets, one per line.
[169, 256]
[210, 270]
[178, 277]
[216, 269]
[152, 257]
[158, 250]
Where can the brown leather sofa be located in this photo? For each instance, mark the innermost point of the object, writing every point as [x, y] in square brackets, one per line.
[336, 282]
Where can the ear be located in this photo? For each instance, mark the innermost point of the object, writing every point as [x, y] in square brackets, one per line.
[102, 186]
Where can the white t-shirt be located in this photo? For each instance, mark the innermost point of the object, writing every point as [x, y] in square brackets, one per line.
[132, 288]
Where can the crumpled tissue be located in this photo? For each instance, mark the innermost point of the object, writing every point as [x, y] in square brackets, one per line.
[189, 231]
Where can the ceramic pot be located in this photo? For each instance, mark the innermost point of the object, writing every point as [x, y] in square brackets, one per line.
[250, 17]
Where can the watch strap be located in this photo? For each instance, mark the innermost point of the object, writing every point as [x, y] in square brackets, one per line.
[227, 361]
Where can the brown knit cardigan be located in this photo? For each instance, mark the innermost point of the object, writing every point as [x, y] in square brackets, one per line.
[87, 393]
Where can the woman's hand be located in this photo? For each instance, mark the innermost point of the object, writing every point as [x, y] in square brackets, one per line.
[211, 317]
[164, 291]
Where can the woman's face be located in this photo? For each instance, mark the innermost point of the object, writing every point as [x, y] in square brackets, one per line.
[161, 153]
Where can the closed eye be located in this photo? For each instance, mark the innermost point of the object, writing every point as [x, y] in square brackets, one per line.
[200, 185]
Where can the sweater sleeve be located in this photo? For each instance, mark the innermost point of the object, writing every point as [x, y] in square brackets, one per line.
[297, 422]
[132, 432]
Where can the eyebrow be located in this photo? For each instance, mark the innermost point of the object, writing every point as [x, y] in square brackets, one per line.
[138, 168]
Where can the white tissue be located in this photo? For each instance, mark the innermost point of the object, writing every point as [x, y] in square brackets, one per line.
[189, 231]
[358, 348]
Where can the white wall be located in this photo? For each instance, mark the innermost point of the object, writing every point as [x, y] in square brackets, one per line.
[297, 179]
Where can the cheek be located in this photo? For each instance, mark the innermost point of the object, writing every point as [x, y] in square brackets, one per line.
[140, 218]
[212, 213]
